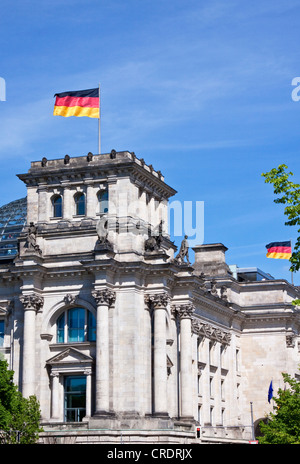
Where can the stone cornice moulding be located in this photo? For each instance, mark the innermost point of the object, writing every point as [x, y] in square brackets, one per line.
[123, 163]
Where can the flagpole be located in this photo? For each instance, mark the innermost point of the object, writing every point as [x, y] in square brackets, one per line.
[292, 275]
[252, 423]
[99, 128]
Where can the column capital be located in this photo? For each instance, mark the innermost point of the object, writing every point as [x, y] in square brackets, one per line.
[184, 311]
[104, 296]
[32, 302]
[157, 300]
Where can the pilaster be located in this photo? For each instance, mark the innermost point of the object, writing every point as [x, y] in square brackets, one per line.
[104, 299]
[31, 303]
[158, 303]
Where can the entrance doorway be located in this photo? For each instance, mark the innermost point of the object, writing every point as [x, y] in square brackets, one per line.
[75, 398]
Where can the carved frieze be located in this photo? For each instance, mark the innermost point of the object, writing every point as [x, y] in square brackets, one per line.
[213, 333]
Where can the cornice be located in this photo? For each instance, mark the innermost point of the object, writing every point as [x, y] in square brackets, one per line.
[80, 169]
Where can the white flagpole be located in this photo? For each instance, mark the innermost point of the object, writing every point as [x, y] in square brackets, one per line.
[99, 131]
[292, 275]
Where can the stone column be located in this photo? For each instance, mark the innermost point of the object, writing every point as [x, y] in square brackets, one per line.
[55, 396]
[186, 381]
[67, 203]
[206, 381]
[218, 398]
[43, 215]
[90, 201]
[32, 303]
[88, 406]
[104, 299]
[159, 304]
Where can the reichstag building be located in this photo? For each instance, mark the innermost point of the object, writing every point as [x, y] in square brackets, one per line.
[117, 333]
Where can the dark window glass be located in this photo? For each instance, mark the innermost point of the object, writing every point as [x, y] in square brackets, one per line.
[91, 327]
[1, 333]
[103, 201]
[81, 326]
[80, 204]
[76, 322]
[57, 206]
[75, 398]
[61, 329]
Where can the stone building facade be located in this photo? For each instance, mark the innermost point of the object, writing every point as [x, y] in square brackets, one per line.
[120, 337]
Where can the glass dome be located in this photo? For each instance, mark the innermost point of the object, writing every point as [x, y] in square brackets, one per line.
[13, 217]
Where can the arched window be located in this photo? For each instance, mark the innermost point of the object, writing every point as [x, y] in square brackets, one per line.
[57, 206]
[103, 201]
[76, 325]
[80, 204]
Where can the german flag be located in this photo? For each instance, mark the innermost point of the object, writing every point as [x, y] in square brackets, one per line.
[279, 250]
[78, 103]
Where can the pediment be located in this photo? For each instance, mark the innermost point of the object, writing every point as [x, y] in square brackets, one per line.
[70, 356]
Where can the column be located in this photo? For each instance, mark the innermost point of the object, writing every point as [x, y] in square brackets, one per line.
[55, 396]
[43, 206]
[32, 303]
[104, 299]
[91, 204]
[186, 380]
[218, 398]
[67, 203]
[206, 383]
[88, 405]
[159, 304]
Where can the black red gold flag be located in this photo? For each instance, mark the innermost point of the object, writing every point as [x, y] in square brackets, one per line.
[279, 250]
[78, 103]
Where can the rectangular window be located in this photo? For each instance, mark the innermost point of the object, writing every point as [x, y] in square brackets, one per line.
[76, 324]
[1, 333]
[75, 398]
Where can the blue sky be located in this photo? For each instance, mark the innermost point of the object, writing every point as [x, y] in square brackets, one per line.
[199, 89]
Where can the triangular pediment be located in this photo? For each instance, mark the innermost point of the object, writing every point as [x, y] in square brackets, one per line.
[70, 355]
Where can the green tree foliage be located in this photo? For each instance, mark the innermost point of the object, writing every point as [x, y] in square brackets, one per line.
[289, 195]
[19, 417]
[283, 425]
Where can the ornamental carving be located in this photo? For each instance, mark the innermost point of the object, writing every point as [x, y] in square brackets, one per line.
[213, 333]
[104, 297]
[290, 340]
[183, 252]
[158, 300]
[184, 311]
[32, 301]
[31, 244]
[70, 299]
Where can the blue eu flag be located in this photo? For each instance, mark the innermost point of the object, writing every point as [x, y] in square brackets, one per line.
[270, 393]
